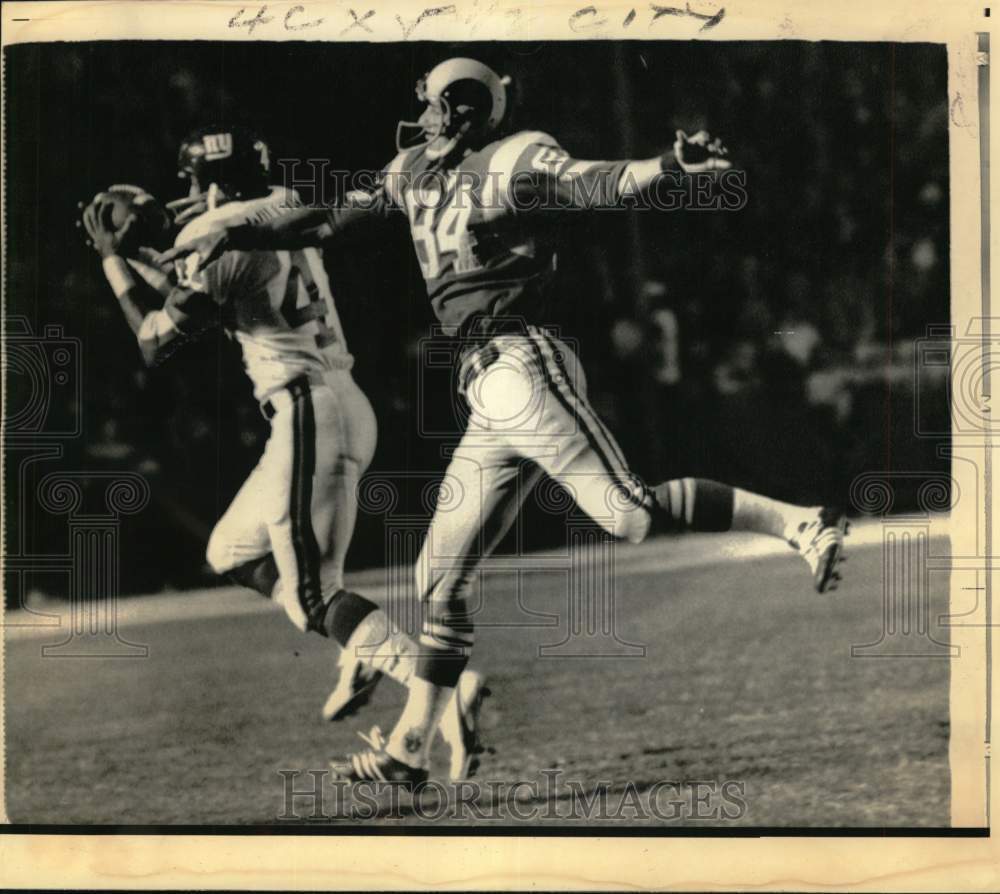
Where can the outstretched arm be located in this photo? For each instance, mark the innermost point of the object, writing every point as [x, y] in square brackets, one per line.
[293, 229]
[154, 323]
[546, 176]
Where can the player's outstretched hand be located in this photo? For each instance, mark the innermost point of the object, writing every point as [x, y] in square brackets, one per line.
[187, 208]
[700, 152]
[208, 247]
[106, 239]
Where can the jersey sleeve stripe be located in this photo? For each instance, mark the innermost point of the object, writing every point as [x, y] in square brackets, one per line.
[504, 163]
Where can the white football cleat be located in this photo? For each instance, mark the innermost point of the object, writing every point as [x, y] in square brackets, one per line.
[821, 545]
[459, 725]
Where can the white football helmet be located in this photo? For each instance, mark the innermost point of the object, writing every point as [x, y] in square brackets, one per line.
[466, 101]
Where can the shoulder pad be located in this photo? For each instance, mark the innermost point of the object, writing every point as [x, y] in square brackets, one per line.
[510, 150]
[503, 163]
[394, 173]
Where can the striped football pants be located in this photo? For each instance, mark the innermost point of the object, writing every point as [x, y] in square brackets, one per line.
[529, 417]
[300, 502]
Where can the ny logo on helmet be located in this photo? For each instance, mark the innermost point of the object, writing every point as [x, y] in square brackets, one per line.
[217, 146]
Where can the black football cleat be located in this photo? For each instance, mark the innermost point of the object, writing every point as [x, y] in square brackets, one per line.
[374, 764]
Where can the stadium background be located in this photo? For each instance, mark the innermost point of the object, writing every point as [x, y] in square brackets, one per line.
[795, 319]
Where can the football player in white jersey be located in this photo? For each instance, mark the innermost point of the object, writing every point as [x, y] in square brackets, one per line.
[287, 531]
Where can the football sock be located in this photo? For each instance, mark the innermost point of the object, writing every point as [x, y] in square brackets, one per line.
[383, 647]
[692, 504]
[753, 512]
[359, 626]
[432, 685]
[342, 614]
[698, 504]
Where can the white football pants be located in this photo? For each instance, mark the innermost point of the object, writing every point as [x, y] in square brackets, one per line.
[529, 418]
[300, 502]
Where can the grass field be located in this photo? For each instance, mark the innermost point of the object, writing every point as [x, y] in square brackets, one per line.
[747, 678]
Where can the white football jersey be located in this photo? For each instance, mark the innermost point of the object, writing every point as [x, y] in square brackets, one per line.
[277, 304]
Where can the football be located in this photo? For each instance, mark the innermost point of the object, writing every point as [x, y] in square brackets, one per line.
[154, 224]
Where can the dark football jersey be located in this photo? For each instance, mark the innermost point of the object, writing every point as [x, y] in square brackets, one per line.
[481, 228]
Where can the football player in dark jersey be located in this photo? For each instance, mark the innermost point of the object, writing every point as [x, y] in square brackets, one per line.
[476, 200]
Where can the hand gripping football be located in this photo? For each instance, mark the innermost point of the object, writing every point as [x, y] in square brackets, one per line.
[153, 225]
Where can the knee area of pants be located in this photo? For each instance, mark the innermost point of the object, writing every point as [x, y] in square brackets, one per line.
[635, 525]
[506, 395]
[348, 467]
[217, 554]
[629, 519]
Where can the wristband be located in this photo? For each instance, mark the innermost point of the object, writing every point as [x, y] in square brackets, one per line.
[118, 275]
[669, 162]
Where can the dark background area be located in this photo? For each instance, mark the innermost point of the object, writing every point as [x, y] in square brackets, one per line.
[772, 347]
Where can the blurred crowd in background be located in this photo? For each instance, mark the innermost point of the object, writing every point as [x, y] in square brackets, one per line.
[770, 347]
